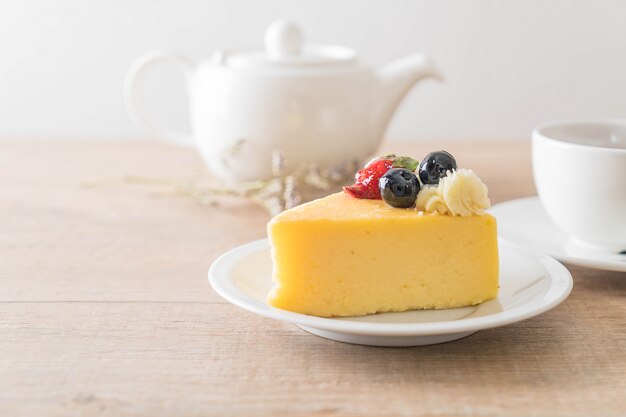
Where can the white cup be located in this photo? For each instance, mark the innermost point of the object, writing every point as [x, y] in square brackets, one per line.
[580, 174]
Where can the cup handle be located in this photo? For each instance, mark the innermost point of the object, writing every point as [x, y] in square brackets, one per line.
[131, 92]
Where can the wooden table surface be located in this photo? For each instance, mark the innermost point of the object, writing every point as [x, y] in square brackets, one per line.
[105, 309]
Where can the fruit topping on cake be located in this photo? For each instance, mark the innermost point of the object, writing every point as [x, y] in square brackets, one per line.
[399, 187]
[366, 185]
[437, 187]
[435, 166]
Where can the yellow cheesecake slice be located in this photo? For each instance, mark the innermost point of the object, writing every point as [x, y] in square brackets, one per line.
[343, 256]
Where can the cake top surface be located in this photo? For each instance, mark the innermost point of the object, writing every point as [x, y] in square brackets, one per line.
[341, 206]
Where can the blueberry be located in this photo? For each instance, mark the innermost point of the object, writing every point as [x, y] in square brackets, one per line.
[399, 187]
[434, 167]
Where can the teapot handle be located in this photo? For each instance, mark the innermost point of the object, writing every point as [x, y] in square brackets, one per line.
[131, 92]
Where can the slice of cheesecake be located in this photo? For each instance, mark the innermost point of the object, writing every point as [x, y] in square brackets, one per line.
[344, 256]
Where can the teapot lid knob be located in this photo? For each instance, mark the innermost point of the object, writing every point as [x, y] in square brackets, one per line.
[283, 39]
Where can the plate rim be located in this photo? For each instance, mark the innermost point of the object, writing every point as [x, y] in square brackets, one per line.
[564, 257]
[561, 284]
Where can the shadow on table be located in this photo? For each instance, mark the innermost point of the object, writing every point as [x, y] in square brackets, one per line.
[523, 354]
[573, 344]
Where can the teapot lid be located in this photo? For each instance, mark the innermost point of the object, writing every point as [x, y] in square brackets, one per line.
[284, 48]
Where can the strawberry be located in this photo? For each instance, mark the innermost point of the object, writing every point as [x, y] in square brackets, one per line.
[366, 185]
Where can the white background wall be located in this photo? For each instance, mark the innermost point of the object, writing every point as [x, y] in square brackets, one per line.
[510, 65]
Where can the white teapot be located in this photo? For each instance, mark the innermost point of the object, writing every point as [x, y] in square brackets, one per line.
[315, 104]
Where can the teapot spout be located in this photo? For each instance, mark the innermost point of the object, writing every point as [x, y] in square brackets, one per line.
[396, 79]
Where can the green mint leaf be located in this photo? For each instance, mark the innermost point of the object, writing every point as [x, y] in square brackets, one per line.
[406, 162]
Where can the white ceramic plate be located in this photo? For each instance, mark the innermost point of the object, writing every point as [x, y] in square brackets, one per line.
[525, 222]
[530, 284]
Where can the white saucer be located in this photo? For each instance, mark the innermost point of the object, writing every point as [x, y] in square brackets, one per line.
[530, 284]
[526, 223]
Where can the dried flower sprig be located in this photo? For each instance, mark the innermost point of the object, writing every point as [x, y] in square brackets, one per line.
[281, 192]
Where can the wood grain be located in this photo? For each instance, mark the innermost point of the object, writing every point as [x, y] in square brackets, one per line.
[105, 309]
